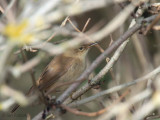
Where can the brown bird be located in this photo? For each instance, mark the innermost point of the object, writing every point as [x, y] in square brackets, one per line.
[63, 68]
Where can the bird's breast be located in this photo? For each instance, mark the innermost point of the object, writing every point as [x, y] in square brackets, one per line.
[73, 72]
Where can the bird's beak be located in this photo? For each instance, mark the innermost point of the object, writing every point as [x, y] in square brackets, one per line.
[92, 44]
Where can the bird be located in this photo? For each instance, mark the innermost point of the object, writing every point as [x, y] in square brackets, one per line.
[65, 67]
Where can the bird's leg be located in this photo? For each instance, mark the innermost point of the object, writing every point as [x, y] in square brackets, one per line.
[56, 104]
[44, 114]
[51, 100]
[53, 103]
[95, 85]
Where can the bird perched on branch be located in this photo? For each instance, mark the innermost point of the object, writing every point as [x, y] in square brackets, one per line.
[63, 68]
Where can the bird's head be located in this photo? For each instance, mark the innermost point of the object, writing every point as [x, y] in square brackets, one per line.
[80, 52]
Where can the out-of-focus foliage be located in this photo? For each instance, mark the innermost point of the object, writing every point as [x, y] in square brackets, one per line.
[35, 27]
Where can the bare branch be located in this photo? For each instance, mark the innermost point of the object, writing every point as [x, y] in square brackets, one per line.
[117, 88]
[98, 61]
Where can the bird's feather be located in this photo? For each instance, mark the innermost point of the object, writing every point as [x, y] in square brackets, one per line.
[56, 68]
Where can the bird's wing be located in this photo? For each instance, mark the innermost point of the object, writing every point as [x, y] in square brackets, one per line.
[56, 68]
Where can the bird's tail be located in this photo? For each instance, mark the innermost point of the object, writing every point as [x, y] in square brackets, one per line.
[27, 94]
[15, 108]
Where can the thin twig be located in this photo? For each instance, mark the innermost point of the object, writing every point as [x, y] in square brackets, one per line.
[8, 13]
[40, 93]
[17, 71]
[86, 87]
[85, 75]
[3, 61]
[16, 96]
[98, 61]
[157, 27]
[109, 28]
[86, 36]
[31, 71]
[86, 24]
[152, 24]
[1, 9]
[93, 114]
[73, 25]
[124, 107]
[117, 88]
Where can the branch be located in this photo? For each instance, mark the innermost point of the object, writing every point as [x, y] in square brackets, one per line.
[152, 24]
[117, 88]
[15, 96]
[124, 107]
[93, 114]
[109, 65]
[109, 28]
[4, 59]
[99, 59]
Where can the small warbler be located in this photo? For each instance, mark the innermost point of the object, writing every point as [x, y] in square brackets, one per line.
[63, 68]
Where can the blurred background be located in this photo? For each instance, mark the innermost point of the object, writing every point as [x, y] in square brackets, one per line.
[140, 56]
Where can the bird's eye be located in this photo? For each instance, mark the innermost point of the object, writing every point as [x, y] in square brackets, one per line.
[81, 48]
